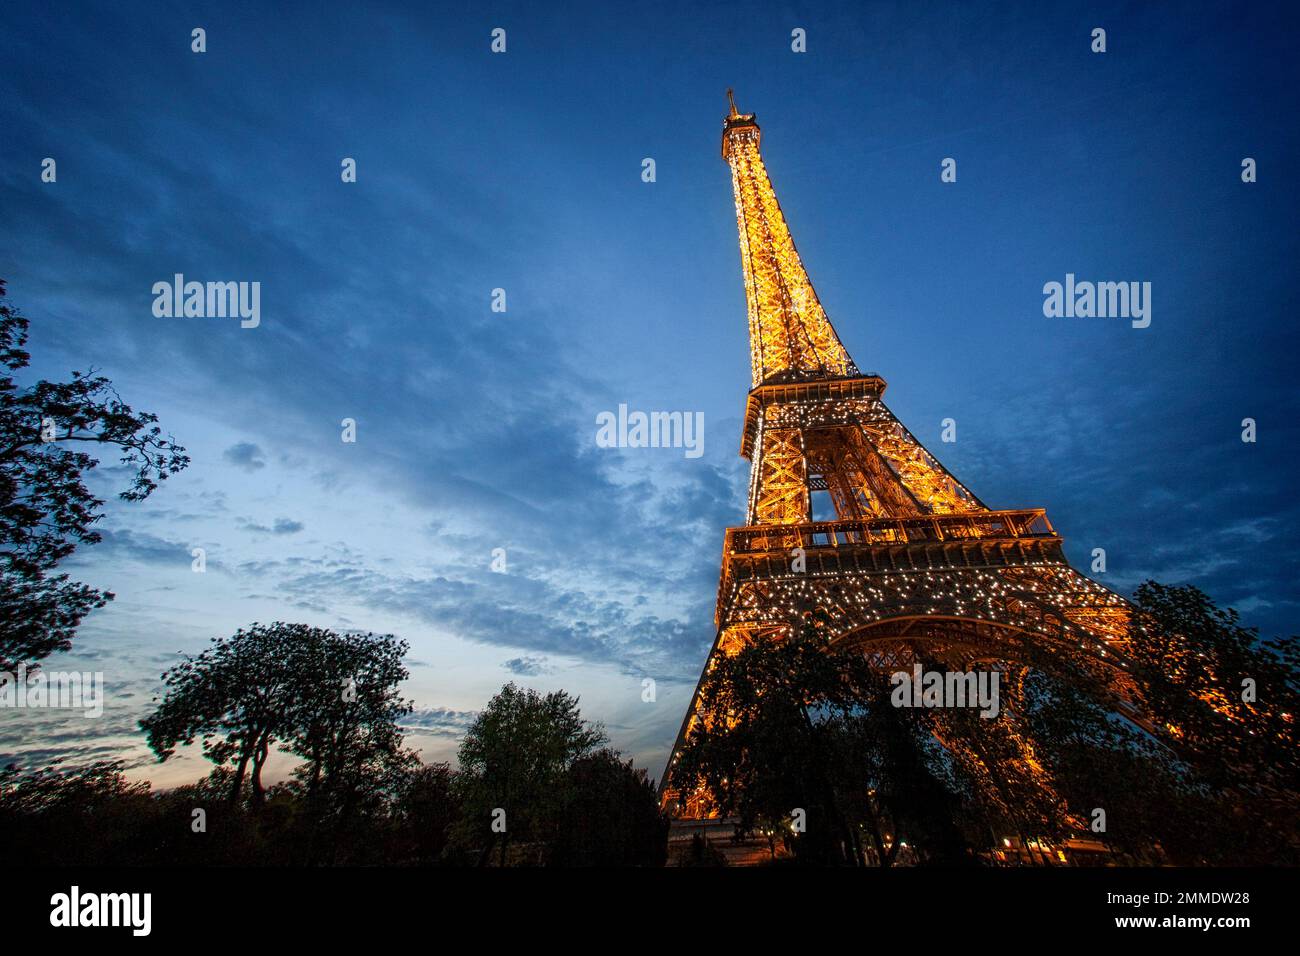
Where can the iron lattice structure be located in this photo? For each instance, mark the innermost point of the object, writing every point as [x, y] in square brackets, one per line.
[913, 565]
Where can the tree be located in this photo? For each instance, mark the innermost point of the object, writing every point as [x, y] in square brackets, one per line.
[785, 706]
[515, 760]
[909, 781]
[343, 724]
[330, 699]
[1226, 702]
[610, 817]
[1193, 663]
[425, 811]
[1099, 760]
[344, 720]
[93, 808]
[1010, 786]
[46, 510]
[235, 695]
[111, 821]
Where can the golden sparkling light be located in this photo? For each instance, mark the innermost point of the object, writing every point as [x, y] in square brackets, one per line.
[912, 555]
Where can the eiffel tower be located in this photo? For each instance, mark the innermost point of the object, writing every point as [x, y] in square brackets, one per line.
[913, 563]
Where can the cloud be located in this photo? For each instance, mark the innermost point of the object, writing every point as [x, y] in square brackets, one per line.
[438, 721]
[527, 666]
[245, 455]
[281, 526]
[581, 611]
[120, 544]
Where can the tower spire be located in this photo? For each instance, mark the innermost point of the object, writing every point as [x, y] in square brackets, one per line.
[790, 337]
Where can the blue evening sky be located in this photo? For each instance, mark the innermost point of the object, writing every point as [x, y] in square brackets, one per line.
[522, 171]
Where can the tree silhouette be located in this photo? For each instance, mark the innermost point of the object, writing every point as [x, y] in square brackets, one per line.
[788, 709]
[46, 509]
[1227, 703]
[343, 723]
[1193, 664]
[610, 816]
[426, 810]
[516, 758]
[328, 698]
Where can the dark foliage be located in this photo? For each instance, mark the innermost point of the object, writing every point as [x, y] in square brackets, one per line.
[610, 816]
[357, 797]
[50, 433]
[1203, 770]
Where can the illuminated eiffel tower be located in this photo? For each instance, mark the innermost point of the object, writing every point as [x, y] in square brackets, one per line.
[912, 563]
